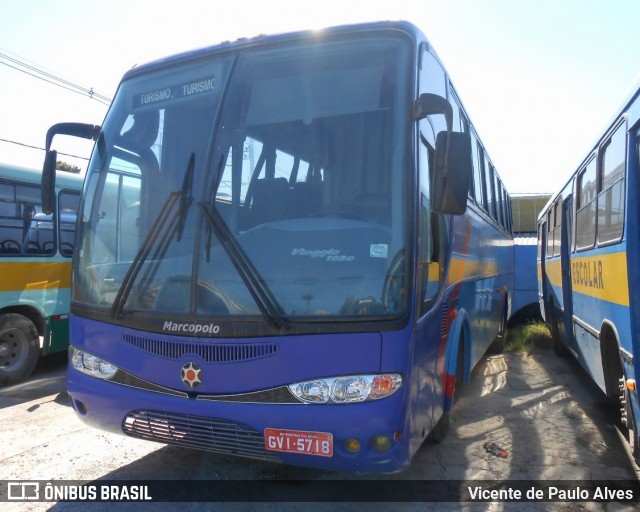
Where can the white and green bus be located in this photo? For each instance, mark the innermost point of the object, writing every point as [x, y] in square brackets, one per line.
[35, 265]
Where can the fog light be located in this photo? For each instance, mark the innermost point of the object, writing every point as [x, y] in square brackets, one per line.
[381, 443]
[352, 445]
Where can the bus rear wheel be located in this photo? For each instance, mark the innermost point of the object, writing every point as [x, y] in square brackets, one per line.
[19, 348]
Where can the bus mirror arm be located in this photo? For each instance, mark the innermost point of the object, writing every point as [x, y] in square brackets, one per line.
[82, 130]
[48, 182]
[431, 104]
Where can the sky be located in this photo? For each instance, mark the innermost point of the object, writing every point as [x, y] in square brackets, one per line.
[540, 79]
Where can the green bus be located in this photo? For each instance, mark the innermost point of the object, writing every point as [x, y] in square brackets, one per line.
[35, 264]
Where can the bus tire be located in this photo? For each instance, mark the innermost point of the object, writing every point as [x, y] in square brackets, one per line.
[559, 348]
[497, 345]
[19, 348]
[439, 432]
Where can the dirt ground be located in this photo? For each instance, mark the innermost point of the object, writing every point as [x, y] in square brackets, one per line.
[544, 413]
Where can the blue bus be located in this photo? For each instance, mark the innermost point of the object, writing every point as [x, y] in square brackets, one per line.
[291, 248]
[588, 241]
[526, 208]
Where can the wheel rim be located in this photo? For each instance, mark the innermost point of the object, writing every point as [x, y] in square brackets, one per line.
[14, 347]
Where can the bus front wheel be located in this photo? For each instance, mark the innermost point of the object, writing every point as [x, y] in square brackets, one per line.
[19, 348]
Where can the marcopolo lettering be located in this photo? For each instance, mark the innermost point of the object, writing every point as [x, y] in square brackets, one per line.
[588, 273]
[191, 328]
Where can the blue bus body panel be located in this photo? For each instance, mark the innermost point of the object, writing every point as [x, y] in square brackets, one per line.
[181, 418]
[525, 285]
[299, 358]
[233, 365]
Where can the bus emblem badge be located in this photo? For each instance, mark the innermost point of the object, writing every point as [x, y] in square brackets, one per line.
[191, 375]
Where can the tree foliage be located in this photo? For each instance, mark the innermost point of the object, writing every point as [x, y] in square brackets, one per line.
[64, 166]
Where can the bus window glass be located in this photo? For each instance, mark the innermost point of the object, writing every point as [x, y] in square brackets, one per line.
[613, 159]
[498, 199]
[455, 108]
[488, 175]
[586, 207]
[273, 187]
[557, 223]
[68, 203]
[433, 81]
[507, 209]
[549, 223]
[476, 154]
[541, 229]
[24, 228]
[432, 76]
[611, 197]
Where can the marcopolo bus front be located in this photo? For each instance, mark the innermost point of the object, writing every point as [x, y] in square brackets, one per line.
[353, 419]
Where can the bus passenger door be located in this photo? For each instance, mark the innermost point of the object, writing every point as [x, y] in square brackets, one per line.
[544, 286]
[565, 324]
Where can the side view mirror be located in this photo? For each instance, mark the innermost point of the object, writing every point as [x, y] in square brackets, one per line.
[453, 171]
[454, 164]
[48, 180]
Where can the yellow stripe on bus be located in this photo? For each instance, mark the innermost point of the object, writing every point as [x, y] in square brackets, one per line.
[554, 272]
[28, 275]
[603, 276]
[461, 268]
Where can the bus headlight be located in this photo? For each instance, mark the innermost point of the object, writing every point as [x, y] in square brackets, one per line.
[90, 364]
[347, 389]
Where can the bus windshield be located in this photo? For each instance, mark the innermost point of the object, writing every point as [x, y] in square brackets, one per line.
[269, 184]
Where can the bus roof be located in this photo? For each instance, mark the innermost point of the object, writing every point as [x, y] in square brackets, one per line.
[26, 174]
[246, 42]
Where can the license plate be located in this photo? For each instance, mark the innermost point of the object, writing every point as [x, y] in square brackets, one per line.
[299, 441]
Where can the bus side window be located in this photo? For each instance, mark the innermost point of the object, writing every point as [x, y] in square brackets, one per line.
[478, 189]
[24, 229]
[557, 223]
[611, 197]
[68, 203]
[432, 80]
[10, 220]
[586, 207]
[549, 225]
[488, 176]
[433, 229]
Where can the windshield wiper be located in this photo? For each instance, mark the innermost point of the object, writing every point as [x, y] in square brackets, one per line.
[185, 195]
[183, 199]
[266, 302]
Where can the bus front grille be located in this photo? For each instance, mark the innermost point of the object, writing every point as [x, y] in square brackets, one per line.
[209, 351]
[211, 434]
